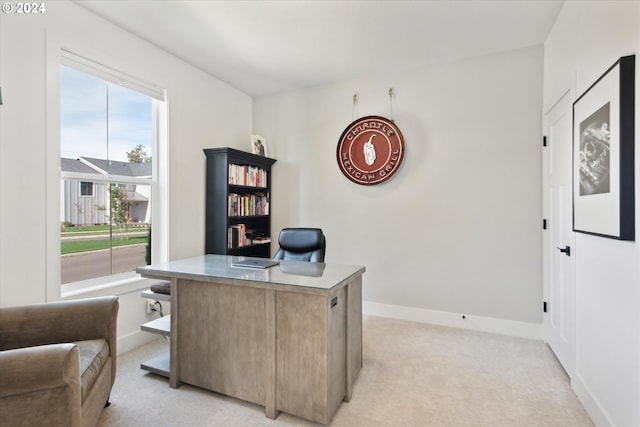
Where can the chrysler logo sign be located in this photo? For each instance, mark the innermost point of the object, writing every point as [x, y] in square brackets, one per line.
[370, 150]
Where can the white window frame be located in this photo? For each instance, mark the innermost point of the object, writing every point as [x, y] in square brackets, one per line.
[62, 51]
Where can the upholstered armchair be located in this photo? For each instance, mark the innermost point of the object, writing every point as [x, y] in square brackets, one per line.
[57, 362]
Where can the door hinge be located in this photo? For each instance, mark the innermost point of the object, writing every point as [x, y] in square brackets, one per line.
[544, 141]
[544, 306]
[544, 224]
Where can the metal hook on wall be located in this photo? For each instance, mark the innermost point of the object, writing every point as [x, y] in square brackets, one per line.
[391, 95]
[355, 106]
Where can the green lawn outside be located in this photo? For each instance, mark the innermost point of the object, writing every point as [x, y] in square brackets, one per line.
[96, 230]
[94, 245]
[82, 228]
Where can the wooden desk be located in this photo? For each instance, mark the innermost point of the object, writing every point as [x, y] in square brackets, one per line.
[288, 337]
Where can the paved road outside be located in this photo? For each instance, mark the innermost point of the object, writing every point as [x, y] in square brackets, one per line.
[87, 265]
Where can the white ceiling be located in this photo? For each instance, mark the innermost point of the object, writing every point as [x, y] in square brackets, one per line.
[263, 47]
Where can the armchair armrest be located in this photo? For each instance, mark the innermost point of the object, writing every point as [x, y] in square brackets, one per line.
[48, 366]
[33, 380]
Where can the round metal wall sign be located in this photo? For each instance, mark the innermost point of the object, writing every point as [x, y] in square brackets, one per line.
[370, 150]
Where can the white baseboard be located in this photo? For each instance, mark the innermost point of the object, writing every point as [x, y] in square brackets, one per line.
[591, 404]
[134, 340]
[476, 323]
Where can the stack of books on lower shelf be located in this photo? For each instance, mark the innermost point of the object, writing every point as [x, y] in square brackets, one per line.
[238, 236]
[260, 240]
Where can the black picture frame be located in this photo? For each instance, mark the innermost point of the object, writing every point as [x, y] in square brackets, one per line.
[603, 154]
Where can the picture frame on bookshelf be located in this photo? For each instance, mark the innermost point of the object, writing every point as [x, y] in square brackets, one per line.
[259, 145]
[603, 155]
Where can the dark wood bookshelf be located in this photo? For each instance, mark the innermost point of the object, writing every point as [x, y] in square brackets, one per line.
[218, 218]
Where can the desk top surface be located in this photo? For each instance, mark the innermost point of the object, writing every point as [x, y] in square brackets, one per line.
[316, 275]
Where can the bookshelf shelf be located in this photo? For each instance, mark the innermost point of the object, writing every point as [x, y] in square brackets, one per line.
[237, 202]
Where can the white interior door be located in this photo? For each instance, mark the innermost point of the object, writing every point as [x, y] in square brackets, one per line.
[559, 288]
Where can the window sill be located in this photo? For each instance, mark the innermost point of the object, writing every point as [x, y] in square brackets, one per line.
[119, 284]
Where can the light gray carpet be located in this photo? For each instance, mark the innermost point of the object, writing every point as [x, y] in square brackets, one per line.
[413, 374]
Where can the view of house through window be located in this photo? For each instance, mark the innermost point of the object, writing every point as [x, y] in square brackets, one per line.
[106, 183]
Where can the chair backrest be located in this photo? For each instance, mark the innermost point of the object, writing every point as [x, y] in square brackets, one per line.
[301, 244]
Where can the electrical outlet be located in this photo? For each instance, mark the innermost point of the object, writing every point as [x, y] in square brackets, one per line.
[151, 305]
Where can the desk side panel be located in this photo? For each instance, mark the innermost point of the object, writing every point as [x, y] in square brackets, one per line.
[301, 367]
[354, 339]
[223, 339]
[337, 374]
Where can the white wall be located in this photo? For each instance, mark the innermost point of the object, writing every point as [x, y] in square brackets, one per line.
[203, 112]
[458, 229]
[587, 38]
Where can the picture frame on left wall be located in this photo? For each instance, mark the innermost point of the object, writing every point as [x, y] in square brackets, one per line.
[259, 145]
[603, 155]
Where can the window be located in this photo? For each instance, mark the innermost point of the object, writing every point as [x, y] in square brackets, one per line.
[86, 188]
[108, 140]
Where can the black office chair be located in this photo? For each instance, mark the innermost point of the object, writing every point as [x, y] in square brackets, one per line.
[301, 244]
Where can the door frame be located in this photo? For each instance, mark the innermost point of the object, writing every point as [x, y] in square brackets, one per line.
[548, 246]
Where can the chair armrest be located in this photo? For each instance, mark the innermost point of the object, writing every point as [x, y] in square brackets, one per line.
[25, 370]
[41, 386]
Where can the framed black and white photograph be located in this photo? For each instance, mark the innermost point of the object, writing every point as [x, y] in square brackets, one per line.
[603, 155]
[259, 145]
